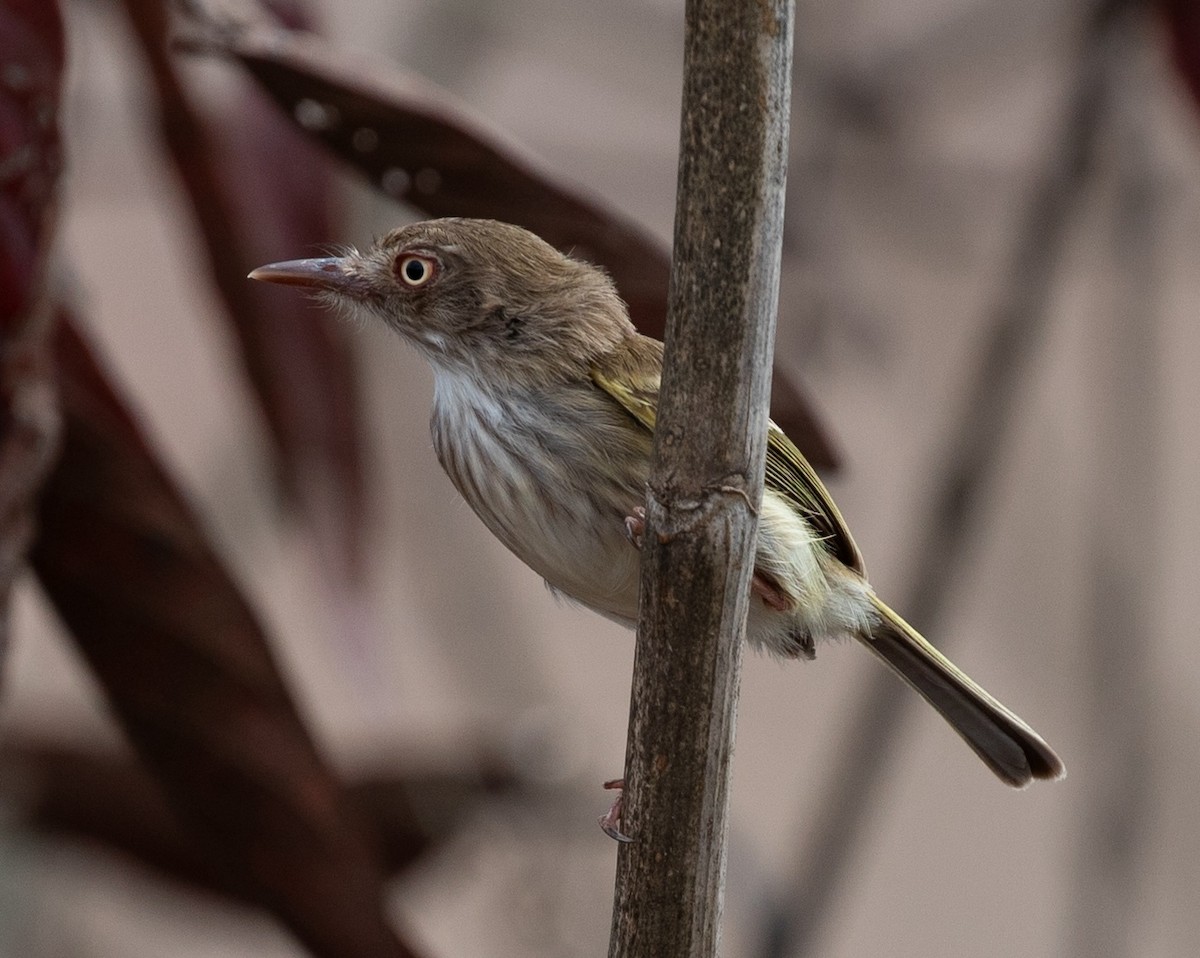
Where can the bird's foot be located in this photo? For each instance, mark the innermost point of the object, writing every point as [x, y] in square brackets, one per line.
[635, 527]
[772, 596]
[610, 821]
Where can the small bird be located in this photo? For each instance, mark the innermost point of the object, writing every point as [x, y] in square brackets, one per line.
[543, 412]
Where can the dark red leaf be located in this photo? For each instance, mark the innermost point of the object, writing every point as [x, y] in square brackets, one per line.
[113, 801]
[418, 145]
[31, 63]
[1183, 28]
[256, 186]
[188, 671]
[289, 14]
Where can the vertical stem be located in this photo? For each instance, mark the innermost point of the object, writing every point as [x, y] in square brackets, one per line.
[706, 477]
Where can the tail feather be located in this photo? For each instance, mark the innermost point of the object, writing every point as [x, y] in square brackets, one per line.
[1008, 746]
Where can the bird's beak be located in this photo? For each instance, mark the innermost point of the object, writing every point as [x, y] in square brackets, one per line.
[332, 273]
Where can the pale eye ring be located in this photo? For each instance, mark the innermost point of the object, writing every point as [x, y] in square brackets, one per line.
[415, 270]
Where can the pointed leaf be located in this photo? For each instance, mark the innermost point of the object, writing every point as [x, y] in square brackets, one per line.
[257, 186]
[31, 64]
[189, 673]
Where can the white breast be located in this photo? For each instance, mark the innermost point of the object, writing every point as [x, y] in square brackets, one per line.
[539, 471]
[553, 476]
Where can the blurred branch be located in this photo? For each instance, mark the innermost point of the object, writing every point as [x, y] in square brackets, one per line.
[706, 478]
[115, 802]
[970, 456]
[31, 52]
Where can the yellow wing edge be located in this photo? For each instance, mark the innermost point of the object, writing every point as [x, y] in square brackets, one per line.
[787, 471]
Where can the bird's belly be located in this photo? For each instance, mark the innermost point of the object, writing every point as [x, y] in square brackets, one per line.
[563, 515]
[554, 483]
[580, 550]
[588, 559]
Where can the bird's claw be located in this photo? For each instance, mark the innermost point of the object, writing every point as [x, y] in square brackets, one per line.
[610, 821]
[635, 528]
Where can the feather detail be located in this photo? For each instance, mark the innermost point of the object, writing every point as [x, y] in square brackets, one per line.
[1009, 747]
[631, 376]
[545, 404]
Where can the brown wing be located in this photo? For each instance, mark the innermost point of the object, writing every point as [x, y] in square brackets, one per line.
[632, 379]
[789, 474]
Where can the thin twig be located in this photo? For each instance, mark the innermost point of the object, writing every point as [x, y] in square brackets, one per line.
[710, 438]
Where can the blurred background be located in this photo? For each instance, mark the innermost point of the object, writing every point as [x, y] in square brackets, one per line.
[987, 204]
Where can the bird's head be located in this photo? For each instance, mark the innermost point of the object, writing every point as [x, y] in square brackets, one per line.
[476, 296]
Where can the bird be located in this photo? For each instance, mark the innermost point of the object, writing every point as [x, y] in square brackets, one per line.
[544, 406]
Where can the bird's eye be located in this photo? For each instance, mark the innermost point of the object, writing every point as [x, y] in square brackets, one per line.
[415, 270]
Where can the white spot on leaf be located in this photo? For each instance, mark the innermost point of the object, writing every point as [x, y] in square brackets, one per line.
[365, 139]
[315, 116]
[395, 181]
[428, 181]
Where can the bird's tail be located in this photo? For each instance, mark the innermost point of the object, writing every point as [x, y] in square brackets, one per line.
[1010, 748]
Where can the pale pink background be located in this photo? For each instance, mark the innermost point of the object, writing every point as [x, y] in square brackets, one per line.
[461, 644]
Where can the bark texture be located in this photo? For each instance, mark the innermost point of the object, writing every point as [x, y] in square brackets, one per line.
[706, 477]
